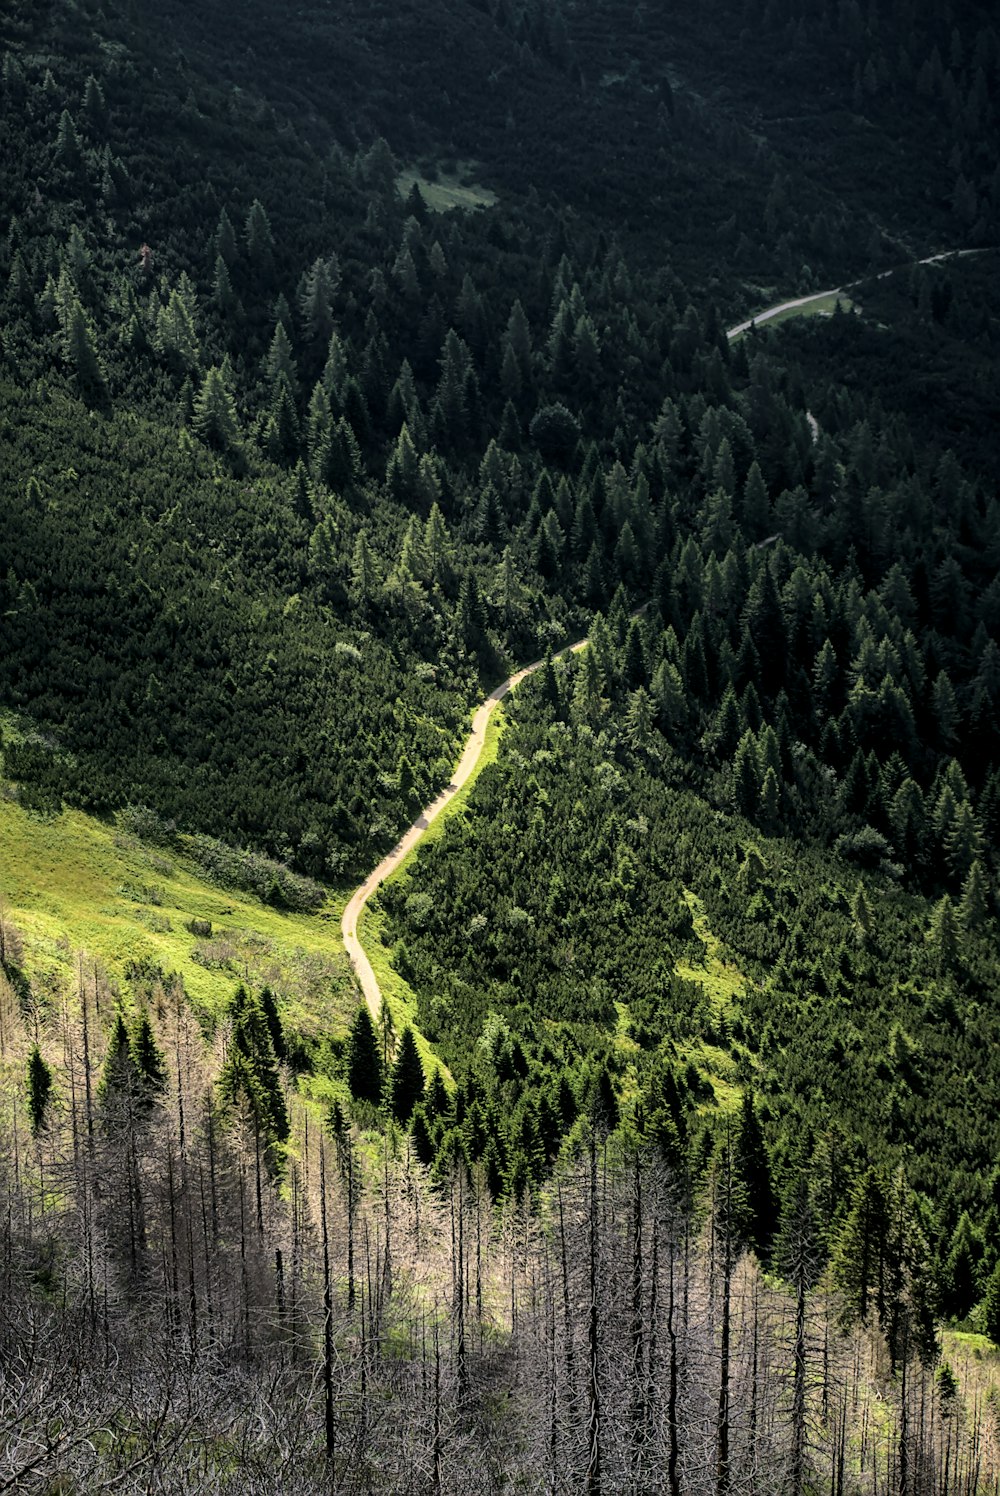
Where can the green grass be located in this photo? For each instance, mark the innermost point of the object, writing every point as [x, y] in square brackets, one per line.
[73, 884]
[825, 306]
[448, 190]
[718, 978]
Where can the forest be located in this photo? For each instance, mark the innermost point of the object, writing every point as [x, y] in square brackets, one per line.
[342, 371]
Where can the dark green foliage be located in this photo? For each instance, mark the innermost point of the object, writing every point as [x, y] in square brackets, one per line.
[753, 1167]
[147, 1057]
[991, 1306]
[249, 1075]
[364, 1059]
[39, 1084]
[273, 515]
[406, 1079]
[962, 1275]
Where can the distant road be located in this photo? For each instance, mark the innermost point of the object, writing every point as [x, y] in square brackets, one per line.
[806, 301]
[471, 754]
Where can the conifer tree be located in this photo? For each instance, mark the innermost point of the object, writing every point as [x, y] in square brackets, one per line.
[364, 1059]
[753, 1168]
[944, 934]
[260, 240]
[215, 412]
[406, 1082]
[39, 1078]
[225, 239]
[69, 152]
[746, 776]
[975, 903]
[365, 581]
[80, 346]
[148, 1059]
[991, 1306]
[250, 1072]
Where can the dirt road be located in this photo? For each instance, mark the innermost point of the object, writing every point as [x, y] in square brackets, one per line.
[471, 754]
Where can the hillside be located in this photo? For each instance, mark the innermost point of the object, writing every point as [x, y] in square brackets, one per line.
[351, 357]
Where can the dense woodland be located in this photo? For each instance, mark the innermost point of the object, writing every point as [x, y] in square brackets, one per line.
[295, 467]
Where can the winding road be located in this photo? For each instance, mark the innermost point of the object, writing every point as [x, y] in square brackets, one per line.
[476, 741]
[471, 754]
[800, 302]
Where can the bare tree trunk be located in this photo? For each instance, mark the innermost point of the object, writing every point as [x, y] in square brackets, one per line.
[329, 1428]
[638, 1410]
[673, 1439]
[797, 1472]
[593, 1476]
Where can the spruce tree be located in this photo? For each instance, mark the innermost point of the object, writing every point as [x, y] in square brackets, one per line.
[39, 1078]
[147, 1059]
[215, 412]
[406, 1082]
[364, 1059]
[752, 1164]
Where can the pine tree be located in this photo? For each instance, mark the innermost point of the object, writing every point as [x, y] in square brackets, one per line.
[80, 346]
[215, 412]
[437, 546]
[147, 1059]
[406, 1082]
[225, 239]
[769, 804]
[639, 720]
[944, 935]
[316, 293]
[365, 580]
[39, 1078]
[861, 916]
[991, 1307]
[260, 240]
[402, 469]
[974, 908]
[858, 1261]
[746, 777]
[119, 1085]
[752, 1165]
[280, 361]
[69, 152]
[364, 1059]
[250, 1072]
[962, 1266]
[470, 614]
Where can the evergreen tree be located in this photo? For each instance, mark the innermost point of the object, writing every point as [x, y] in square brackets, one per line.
[69, 152]
[857, 1264]
[80, 345]
[944, 934]
[148, 1059]
[215, 412]
[260, 240]
[974, 908]
[961, 1276]
[39, 1078]
[406, 1082]
[364, 1059]
[225, 239]
[991, 1307]
[639, 720]
[746, 777]
[752, 1165]
[365, 580]
[250, 1071]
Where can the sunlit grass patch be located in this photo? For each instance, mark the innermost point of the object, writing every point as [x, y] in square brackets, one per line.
[447, 190]
[72, 884]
